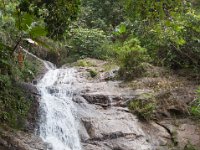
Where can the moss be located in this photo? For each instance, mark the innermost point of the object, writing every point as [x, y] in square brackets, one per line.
[93, 73]
[109, 66]
[83, 63]
[189, 146]
[143, 108]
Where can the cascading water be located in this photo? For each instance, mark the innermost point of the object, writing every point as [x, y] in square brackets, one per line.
[57, 122]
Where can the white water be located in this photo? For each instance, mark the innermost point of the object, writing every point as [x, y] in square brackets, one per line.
[57, 122]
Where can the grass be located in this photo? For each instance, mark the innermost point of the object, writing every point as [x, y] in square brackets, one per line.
[93, 73]
[195, 106]
[144, 108]
[189, 146]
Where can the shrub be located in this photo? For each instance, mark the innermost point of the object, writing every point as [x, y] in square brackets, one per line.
[93, 73]
[132, 56]
[174, 43]
[13, 103]
[13, 106]
[83, 63]
[88, 43]
[143, 108]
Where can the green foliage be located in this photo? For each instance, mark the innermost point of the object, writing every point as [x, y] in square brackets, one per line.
[57, 14]
[13, 103]
[153, 10]
[143, 108]
[13, 106]
[189, 146]
[195, 106]
[104, 14]
[169, 30]
[93, 73]
[83, 63]
[132, 57]
[120, 29]
[175, 43]
[88, 43]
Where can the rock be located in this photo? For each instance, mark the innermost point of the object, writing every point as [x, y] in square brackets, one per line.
[32, 95]
[109, 75]
[79, 99]
[183, 132]
[29, 88]
[108, 128]
[105, 122]
[52, 90]
[98, 99]
[18, 140]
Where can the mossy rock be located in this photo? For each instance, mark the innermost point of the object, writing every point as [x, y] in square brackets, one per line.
[144, 107]
[93, 73]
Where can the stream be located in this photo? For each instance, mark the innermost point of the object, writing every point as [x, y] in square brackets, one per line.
[58, 113]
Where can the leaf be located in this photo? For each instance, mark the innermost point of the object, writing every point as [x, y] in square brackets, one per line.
[180, 41]
[26, 21]
[38, 31]
[122, 28]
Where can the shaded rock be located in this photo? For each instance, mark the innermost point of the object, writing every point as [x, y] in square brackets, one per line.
[98, 99]
[32, 95]
[29, 88]
[17, 140]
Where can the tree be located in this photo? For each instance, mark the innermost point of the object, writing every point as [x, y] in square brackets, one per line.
[154, 10]
[104, 14]
[57, 14]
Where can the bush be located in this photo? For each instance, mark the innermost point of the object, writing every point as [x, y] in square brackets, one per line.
[132, 56]
[93, 73]
[13, 103]
[13, 106]
[175, 43]
[88, 43]
[143, 108]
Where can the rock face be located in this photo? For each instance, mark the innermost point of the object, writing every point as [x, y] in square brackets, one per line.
[18, 140]
[105, 122]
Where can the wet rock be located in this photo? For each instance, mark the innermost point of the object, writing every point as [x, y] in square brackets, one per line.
[52, 90]
[79, 99]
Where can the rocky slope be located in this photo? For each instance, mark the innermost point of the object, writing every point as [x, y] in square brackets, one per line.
[104, 121]
[107, 124]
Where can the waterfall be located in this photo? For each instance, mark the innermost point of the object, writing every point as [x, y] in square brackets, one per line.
[57, 125]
